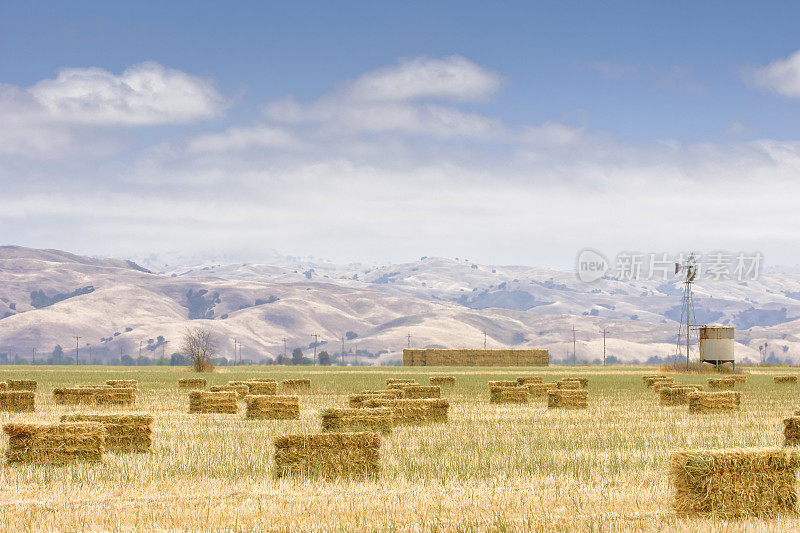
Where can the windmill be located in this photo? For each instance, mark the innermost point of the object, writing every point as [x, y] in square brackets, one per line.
[688, 320]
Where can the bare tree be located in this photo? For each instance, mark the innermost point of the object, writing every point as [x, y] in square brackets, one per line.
[198, 346]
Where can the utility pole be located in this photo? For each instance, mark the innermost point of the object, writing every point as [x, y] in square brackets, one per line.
[316, 340]
[342, 358]
[90, 354]
[409, 339]
[234, 351]
[76, 350]
[34, 356]
[484, 339]
[140, 349]
[604, 346]
[284, 350]
[574, 352]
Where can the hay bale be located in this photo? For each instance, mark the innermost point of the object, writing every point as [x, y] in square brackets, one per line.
[540, 390]
[359, 400]
[677, 394]
[192, 383]
[261, 380]
[212, 402]
[651, 380]
[442, 381]
[507, 384]
[730, 483]
[645, 379]
[421, 391]
[721, 383]
[708, 402]
[329, 456]
[124, 433]
[400, 381]
[508, 395]
[527, 380]
[785, 380]
[568, 385]
[123, 383]
[738, 378]
[377, 419]
[55, 443]
[791, 430]
[296, 385]
[583, 382]
[272, 407]
[568, 399]
[94, 395]
[435, 409]
[240, 390]
[3, 386]
[17, 401]
[262, 388]
[21, 384]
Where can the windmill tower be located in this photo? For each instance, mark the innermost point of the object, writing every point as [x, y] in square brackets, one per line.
[688, 320]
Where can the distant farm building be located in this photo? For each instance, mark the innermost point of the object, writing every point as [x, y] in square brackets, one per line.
[439, 357]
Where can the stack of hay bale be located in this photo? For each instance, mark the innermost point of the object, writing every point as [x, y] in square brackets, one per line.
[568, 399]
[729, 483]
[413, 411]
[55, 443]
[94, 395]
[17, 401]
[240, 390]
[443, 381]
[568, 384]
[739, 378]
[508, 394]
[677, 394]
[540, 390]
[192, 383]
[21, 384]
[650, 381]
[296, 385]
[785, 380]
[123, 384]
[329, 455]
[272, 407]
[709, 402]
[213, 402]
[377, 419]
[258, 386]
[357, 400]
[527, 380]
[726, 383]
[397, 383]
[124, 433]
[412, 392]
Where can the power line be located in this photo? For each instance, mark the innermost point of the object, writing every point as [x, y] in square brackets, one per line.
[316, 340]
[604, 346]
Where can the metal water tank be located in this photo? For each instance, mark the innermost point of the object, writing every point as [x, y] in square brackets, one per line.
[716, 343]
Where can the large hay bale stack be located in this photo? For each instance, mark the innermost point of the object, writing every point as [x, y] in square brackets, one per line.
[721, 383]
[568, 399]
[508, 395]
[785, 380]
[240, 390]
[443, 381]
[55, 443]
[791, 430]
[677, 394]
[123, 383]
[568, 385]
[730, 483]
[272, 407]
[192, 383]
[540, 390]
[497, 358]
[124, 433]
[296, 385]
[329, 455]
[709, 402]
[421, 391]
[527, 380]
[17, 401]
[94, 395]
[378, 419]
[212, 402]
[21, 384]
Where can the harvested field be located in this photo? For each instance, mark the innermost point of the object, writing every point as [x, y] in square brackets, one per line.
[785, 380]
[262, 387]
[21, 384]
[508, 395]
[296, 385]
[442, 381]
[652, 380]
[54, 443]
[568, 385]
[192, 383]
[421, 391]
[583, 382]
[729, 483]
[359, 400]
[329, 455]
[709, 402]
[17, 401]
[568, 399]
[378, 419]
[738, 378]
[124, 433]
[272, 407]
[213, 402]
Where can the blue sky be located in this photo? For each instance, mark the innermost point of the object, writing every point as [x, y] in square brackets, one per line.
[564, 125]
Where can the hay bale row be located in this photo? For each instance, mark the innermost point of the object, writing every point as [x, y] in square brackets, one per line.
[123, 383]
[729, 483]
[496, 358]
[296, 385]
[400, 381]
[377, 419]
[212, 402]
[540, 390]
[568, 399]
[791, 430]
[21, 384]
[527, 380]
[721, 383]
[442, 381]
[272, 407]
[420, 391]
[508, 395]
[240, 390]
[433, 409]
[55, 443]
[94, 395]
[709, 402]
[17, 401]
[192, 383]
[785, 379]
[124, 433]
[677, 394]
[328, 455]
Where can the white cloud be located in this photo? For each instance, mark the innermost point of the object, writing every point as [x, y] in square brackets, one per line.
[243, 138]
[782, 76]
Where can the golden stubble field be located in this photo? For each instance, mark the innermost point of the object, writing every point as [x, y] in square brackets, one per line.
[491, 467]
